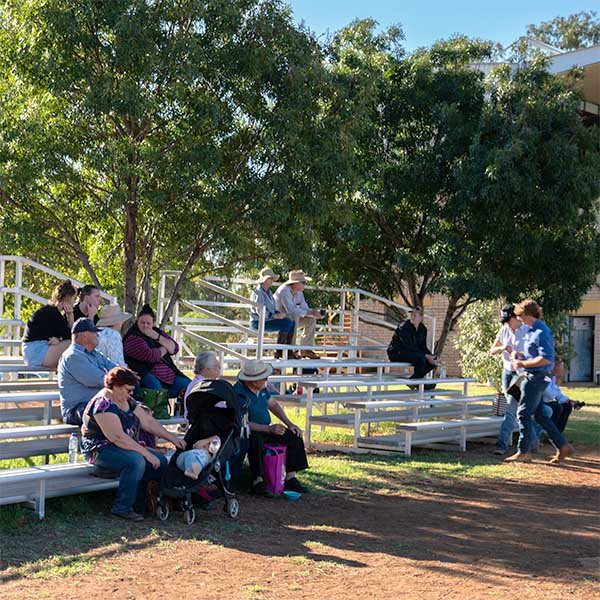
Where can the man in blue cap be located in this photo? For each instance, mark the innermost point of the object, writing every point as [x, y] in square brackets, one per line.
[81, 371]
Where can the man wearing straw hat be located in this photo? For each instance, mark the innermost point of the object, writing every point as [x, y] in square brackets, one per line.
[274, 320]
[290, 300]
[110, 342]
[255, 400]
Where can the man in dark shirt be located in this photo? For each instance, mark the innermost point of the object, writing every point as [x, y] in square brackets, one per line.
[409, 344]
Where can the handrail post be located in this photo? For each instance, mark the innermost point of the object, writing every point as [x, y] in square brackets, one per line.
[261, 332]
[162, 286]
[355, 319]
[18, 287]
[2, 275]
[342, 311]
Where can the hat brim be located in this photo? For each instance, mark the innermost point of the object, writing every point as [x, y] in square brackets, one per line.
[266, 373]
[303, 280]
[120, 318]
[263, 279]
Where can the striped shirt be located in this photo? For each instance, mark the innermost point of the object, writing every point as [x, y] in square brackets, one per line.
[138, 348]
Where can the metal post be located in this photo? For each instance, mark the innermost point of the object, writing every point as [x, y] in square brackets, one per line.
[161, 296]
[2, 275]
[18, 287]
[261, 332]
[342, 310]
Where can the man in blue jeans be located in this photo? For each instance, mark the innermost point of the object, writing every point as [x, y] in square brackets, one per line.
[509, 339]
[536, 363]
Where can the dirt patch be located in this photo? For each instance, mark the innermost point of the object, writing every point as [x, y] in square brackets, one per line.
[460, 538]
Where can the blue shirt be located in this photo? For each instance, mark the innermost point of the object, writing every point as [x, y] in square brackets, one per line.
[539, 342]
[80, 376]
[256, 405]
[264, 297]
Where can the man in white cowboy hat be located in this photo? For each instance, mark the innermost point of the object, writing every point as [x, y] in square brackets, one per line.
[110, 343]
[275, 319]
[255, 399]
[290, 300]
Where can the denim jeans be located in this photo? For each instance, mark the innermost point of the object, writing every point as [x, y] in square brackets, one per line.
[510, 417]
[151, 382]
[537, 428]
[133, 471]
[284, 325]
[197, 455]
[530, 407]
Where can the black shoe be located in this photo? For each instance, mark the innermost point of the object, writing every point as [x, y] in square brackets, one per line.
[293, 485]
[429, 386]
[130, 516]
[259, 489]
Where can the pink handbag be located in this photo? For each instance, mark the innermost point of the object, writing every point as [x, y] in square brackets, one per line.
[274, 468]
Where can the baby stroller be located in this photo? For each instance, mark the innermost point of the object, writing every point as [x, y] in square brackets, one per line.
[212, 410]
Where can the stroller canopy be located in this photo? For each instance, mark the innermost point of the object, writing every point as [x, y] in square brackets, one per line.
[212, 410]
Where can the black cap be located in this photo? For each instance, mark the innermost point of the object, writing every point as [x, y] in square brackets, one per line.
[83, 324]
[508, 312]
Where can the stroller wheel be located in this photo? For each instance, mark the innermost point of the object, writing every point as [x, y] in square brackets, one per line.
[162, 512]
[189, 515]
[232, 508]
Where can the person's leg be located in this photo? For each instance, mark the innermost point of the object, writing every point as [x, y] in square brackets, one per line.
[532, 391]
[255, 452]
[54, 353]
[510, 416]
[417, 360]
[75, 415]
[563, 416]
[131, 467]
[181, 382]
[543, 417]
[150, 382]
[309, 326]
[537, 428]
[295, 459]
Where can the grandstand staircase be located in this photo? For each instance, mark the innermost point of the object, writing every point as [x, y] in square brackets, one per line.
[360, 390]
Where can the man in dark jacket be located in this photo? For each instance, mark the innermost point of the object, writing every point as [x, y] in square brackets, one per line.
[409, 344]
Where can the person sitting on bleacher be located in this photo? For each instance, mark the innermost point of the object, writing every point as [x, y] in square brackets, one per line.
[409, 344]
[111, 342]
[81, 371]
[88, 303]
[112, 423]
[255, 399]
[290, 300]
[48, 331]
[275, 320]
[149, 351]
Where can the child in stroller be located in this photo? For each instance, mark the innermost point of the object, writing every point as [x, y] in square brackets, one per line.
[213, 413]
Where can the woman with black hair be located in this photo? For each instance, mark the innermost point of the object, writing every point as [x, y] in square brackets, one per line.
[149, 350]
[88, 303]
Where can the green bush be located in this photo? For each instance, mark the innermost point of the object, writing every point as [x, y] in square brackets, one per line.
[477, 332]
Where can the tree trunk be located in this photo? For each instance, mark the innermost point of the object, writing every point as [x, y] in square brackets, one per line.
[454, 312]
[130, 247]
[191, 261]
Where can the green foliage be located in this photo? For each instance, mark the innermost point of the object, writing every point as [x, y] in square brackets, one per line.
[138, 136]
[478, 328]
[569, 33]
[468, 186]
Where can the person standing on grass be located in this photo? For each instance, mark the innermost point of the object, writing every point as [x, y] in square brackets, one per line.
[509, 339]
[536, 362]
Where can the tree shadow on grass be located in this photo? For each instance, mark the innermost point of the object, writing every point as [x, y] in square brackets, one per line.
[444, 521]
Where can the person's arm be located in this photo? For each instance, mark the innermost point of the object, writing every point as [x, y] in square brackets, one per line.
[279, 412]
[167, 342]
[138, 349]
[545, 354]
[85, 371]
[288, 306]
[112, 429]
[498, 346]
[151, 425]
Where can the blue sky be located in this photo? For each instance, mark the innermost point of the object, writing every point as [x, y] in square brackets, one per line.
[424, 21]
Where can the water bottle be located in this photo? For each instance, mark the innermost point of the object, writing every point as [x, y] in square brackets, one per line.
[73, 447]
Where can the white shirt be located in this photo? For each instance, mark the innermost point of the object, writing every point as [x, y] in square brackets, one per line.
[507, 337]
[554, 393]
[110, 345]
[293, 304]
